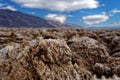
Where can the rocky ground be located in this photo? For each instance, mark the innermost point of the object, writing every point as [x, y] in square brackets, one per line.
[59, 54]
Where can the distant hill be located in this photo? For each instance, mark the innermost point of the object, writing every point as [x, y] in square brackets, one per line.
[10, 18]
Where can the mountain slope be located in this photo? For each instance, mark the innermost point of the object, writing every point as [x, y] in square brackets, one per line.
[10, 18]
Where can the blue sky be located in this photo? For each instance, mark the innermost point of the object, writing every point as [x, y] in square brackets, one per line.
[88, 13]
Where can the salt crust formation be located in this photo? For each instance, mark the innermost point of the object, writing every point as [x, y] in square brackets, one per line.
[59, 54]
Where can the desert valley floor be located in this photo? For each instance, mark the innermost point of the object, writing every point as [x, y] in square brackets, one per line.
[59, 54]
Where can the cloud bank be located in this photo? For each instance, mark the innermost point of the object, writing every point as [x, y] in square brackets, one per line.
[59, 5]
[56, 17]
[95, 19]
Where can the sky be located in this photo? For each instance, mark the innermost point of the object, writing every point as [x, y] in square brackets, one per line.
[87, 13]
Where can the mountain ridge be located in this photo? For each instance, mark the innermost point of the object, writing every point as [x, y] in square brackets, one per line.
[10, 18]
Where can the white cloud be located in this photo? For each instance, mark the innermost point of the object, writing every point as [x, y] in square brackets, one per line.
[56, 17]
[103, 13]
[115, 11]
[59, 5]
[9, 8]
[95, 19]
[115, 24]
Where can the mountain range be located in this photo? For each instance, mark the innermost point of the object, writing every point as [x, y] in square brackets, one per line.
[10, 18]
